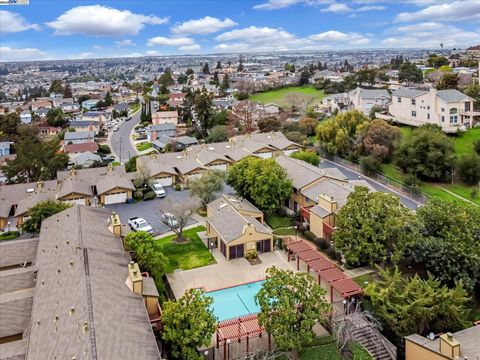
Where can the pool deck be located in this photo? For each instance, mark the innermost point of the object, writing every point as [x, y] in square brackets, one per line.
[227, 273]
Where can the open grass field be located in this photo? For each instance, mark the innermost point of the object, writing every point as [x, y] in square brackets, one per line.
[464, 142]
[276, 221]
[186, 256]
[280, 96]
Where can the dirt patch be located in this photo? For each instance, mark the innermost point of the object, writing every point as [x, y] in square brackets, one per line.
[255, 261]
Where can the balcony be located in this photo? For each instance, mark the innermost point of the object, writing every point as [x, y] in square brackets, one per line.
[305, 212]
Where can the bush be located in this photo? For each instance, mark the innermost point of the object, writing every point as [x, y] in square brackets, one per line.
[138, 183]
[309, 235]
[282, 212]
[332, 253]
[302, 227]
[476, 146]
[469, 169]
[150, 195]
[322, 243]
[9, 235]
[177, 187]
[138, 194]
[369, 165]
[131, 164]
[251, 255]
[104, 149]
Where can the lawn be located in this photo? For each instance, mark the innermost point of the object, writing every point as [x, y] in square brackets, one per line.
[186, 256]
[134, 107]
[280, 96]
[276, 221]
[144, 146]
[464, 142]
[9, 235]
[285, 232]
[323, 352]
[364, 280]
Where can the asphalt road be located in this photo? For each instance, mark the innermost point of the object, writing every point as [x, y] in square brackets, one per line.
[353, 175]
[120, 139]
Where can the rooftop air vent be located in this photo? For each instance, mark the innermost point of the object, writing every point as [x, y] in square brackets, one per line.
[31, 190]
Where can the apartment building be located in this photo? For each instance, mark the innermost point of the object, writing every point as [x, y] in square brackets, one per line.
[449, 109]
[365, 99]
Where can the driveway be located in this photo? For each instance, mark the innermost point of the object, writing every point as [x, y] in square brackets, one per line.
[120, 142]
[353, 175]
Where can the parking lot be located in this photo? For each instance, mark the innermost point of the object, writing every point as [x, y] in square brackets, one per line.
[149, 210]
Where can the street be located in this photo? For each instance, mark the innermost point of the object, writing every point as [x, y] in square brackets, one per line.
[353, 175]
[121, 145]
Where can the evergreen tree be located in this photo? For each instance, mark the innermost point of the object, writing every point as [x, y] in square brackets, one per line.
[225, 83]
[219, 65]
[240, 67]
[215, 78]
[203, 108]
[206, 69]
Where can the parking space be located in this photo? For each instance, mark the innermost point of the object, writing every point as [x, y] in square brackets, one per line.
[149, 210]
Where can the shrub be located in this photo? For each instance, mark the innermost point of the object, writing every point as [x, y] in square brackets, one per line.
[138, 183]
[282, 212]
[9, 235]
[331, 253]
[138, 194]
[369, 165]
[476, 146]
[309, 235]
[322, 243]
[251, 255]
[150, 195]
[104, 149]
[131, 164]
[177, 187]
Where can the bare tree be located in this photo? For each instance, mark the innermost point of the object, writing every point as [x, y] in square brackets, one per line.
[245, 114]
[177, 216]
[266, 355]
[293, 100]
[246, 86]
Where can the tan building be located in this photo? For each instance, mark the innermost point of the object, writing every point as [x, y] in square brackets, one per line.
[364, 100]
[165, 117]
[236, 227]
[449, 109]
[463, 344]
[72, 299]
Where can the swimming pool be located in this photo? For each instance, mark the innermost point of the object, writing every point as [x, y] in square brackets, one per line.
[235, 301]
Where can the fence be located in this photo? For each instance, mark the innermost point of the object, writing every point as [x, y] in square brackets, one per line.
[393, 184]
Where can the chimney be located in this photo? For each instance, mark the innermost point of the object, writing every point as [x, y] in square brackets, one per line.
[39, 184]
[73, 172]
[449, 346]
[110, 168]
[135, 280]
[115, 225]
[153, 135]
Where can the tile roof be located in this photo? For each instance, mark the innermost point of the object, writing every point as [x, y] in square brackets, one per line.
[82, 306]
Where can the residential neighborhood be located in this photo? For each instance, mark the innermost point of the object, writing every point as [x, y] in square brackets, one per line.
[240, 180]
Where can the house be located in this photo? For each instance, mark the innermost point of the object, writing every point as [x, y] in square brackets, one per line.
[162, 117]
[79, 137]
[94, 116]
[5, 147]
[334, 102]
[41, 112]
[176, 99]
[90, 146]
[41, 104]
[74, 308]
[235, 227]
[364, 100]
[25, 117]
[460, 345]
[69, 107]
[161, 172]
[56, 99]
[271, 109]
[155, 132]
[82, 125]
[182, 142]
[85, 159]
[89, 104]
[449, 109]
[47, 132]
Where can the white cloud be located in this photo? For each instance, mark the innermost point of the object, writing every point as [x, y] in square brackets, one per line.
[22, 54]
[337, 8]
[152, 53]
[125, 42]
[370, 8]
[97, 47]
[206, 25]
[194, 47]
[98, 20]
[12, 22]
[466, 10]
[254, 34]
[337, 36]
[83, 55]
[430, 35]
[276, 4]
[164, 41]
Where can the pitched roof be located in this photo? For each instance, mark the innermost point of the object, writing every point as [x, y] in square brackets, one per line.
[371, 93]
[76, 135]
[81, 279]
[111, 181]
[15, 252]
[15, 308]
[80, 148]
[408, 92]
[302, 173]
[16, 192]
[42, 194]
[452, 96]
[74, 186]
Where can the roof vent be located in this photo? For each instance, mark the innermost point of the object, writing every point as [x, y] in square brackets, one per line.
[72, 310]
[30, 190]
[179, 156]
[228, 146]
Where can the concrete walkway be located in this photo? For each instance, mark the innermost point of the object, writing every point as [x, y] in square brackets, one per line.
[456, 195]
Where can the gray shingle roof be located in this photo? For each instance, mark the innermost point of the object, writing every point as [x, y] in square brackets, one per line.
[111, 181]
[13, 350]
[78, 135]
[73, 185]
[82, 266]
[408, 92]
[372, 93]
[15, 308]
[451, 95]
[15, 252]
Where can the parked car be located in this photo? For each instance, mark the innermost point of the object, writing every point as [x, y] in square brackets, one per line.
[128, 118]
[115, 128]
[139, 224]
[170, 220]
[158, 190]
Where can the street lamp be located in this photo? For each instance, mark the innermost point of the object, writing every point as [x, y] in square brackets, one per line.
[344, 307]
[8, 226]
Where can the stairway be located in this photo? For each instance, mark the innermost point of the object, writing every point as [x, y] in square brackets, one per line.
[374, 342]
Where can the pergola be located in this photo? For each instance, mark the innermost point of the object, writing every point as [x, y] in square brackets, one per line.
[238, 329]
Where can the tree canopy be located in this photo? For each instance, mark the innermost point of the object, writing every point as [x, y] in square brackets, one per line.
[207, 186]
[188, 324]
[203, 107]
[261, 180]
[426, 153]
[450, 245]
[415, 305]
[290, 305]
[468, 167]
[410, 73]
[379, 139]
[374, 228]
[56, 117]
[40, 212]
[218, 133]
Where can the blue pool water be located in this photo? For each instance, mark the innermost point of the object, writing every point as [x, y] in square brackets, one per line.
[235, 301]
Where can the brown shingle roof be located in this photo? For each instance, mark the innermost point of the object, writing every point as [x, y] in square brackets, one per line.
[81, 275]
[15, 308]
[15, 252]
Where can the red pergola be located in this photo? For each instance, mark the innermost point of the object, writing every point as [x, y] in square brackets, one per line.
[238, 329]
[308, 255]
[347, 287]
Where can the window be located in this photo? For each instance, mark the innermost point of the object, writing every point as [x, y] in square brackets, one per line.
[453, 115]
[443, 109]
[428, 116]
[467, 106]
[399, 99]
[414, 113]
[443, 118]
[428, 107]
[413, 102]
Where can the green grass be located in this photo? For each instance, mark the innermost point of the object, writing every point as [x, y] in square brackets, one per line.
[115, 163]
[464, 191]
[134, 107]
[322, 352]
[276, 221]
[9, 235]
[359, 352]
[279, 96]
[284, 232]
[186, 256]
[392, 172]
[364, 280]
[464, 142]
[144, 146]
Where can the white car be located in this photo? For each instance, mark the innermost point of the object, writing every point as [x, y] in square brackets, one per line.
[158, 190]
[115, 128]
[170, 220]
[139, 224]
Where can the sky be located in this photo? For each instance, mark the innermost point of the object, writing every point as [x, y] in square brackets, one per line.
[73, 29]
